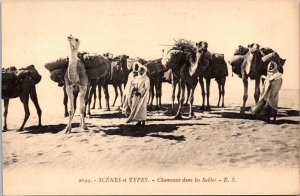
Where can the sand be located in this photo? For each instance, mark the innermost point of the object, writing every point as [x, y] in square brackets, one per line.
[213, 143]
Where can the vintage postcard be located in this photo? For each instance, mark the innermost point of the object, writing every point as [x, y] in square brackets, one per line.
[150, 97]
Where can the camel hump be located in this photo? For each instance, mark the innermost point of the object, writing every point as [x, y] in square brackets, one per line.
[34, 74]
[96, 65]
[58, 64]
[241, 50]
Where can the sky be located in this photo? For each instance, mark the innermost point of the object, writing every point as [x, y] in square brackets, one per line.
[35, 32]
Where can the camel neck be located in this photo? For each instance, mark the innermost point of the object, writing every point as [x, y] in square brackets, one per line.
[194, 65]
[72, 68]
[73, 56]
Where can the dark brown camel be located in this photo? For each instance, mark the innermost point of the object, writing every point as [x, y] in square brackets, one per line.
[117, 76]
[254, 67]
[217, 68]
[187, 68]
[20, 83]
[155, 73]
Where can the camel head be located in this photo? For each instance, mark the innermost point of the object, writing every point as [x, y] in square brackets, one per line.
[201, 47]
[254, 47]
[173, 58]
[74, 42]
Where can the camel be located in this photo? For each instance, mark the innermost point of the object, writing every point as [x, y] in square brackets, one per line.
[155, 83]
[117, 76]
[217, 69]
[253, 67]
[20, 84]
[76, 76]
[186, 67]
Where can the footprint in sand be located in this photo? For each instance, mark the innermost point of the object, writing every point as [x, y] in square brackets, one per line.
[39, 154]
[67, 152]
[263, 150]
[14, 160]
[249, 157]
[236, 134]
[84, 140]
[284, 126]
[233, 154]
[150, 140]
[42, 163]
[233, 160]
[198, 138]
[96, 145]
[99, 150]
[58, 145]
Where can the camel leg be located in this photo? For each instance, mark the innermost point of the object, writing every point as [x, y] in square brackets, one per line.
[191, 100]
[207, 93]
[159, 93]
[121, 92]
[6, 102]
[99, 96]
[105, 87]
[174, 84]
[220, 94]
[75, 95]
[202, 92]
[179, 92]
[245, 97]
[35, 101]
[152, 87]
[182, 98]
[65, 101]
[116, 94]
[188, 96]
[223, 92]
[257, 89]
[90, 94]
[24, 99]
[95, 97]
[69, 90]
[82, 94]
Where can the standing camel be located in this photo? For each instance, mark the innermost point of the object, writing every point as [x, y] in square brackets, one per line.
[187, 67]
[117, 76]
[253, 67]
[217, 69]
[20, 84]
[76, 76]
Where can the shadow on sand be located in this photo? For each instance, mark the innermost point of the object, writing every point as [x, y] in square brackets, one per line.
[237, 115]
[46, 128]
[148, 130]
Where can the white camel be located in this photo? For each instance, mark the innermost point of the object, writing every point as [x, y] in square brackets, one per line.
[76, 76]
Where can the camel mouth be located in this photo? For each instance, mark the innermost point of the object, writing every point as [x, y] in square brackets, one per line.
[70, 37]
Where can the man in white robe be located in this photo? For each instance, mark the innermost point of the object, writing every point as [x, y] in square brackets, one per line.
[138, 97]
[127, 90]
[270, 92]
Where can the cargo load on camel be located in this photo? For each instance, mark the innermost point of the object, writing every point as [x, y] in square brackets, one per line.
[267, 54]
[12, 77]
[93, 64]
[155, 67]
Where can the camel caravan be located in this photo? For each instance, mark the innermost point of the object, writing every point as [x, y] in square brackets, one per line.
[184, 65]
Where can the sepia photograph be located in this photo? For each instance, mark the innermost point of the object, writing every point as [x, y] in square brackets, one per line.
[140, 97]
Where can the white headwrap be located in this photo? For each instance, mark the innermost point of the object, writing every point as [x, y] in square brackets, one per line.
[144, 68]
[134, 64]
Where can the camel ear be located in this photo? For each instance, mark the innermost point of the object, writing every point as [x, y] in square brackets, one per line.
[197, 44]
[282, 61]
[127, 57]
